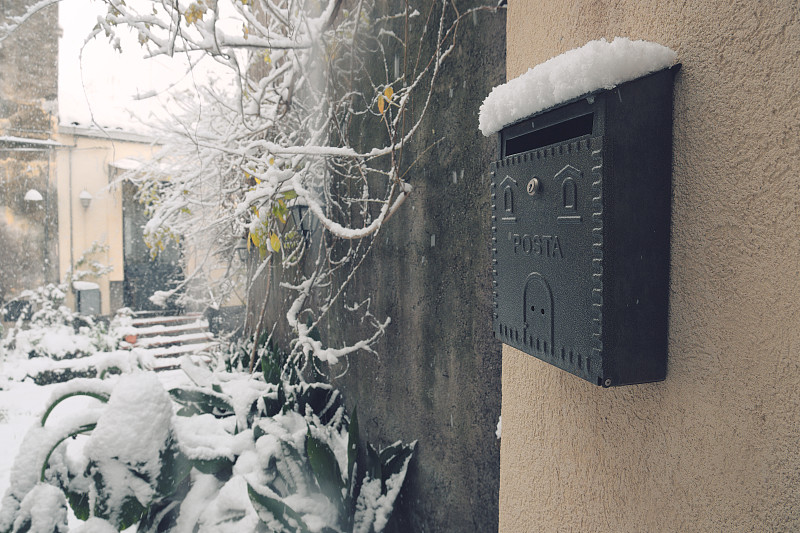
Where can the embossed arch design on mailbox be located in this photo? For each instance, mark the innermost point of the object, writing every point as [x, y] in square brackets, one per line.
[580, 233]
[537, 311]
[569, 177]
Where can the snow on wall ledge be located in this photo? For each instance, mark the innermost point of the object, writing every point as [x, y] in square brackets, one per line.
[595, 65]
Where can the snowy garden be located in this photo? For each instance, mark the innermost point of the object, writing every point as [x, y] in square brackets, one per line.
[246, 435]
[205, 447]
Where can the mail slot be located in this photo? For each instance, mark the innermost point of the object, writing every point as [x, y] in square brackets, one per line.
[580, 233]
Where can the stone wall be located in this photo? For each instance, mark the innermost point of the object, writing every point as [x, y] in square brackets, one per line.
[28, 93]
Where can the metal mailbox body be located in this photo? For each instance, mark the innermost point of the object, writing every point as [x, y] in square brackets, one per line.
[581, 203]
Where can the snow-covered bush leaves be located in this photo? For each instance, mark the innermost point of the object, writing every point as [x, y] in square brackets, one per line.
[56, 344]
[43, 510]
[275, 513]
[133, 456]
[207, 458]
[386, 472]
[326, 469]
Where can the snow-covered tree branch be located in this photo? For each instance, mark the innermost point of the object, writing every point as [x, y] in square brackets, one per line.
[326, 95]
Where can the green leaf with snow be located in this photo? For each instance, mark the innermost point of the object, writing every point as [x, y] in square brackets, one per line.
[381, 486]
[175, 467]
[43, 510]
[323, 400]
[85, 428]
[271, 367]
[270, 510]
[394, 459]
[274, 405]
[373, 462]
[161, 516]
[352, 446]
[110, 503]
[103, 397]
[79, 502]
[326, 468]
[197, 401]
[221, 467]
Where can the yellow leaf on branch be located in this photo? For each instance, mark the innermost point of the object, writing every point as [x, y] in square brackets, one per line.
[385, 98]
[275, 242]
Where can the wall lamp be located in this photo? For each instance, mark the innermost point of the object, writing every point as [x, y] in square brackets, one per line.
[33, 196]
[241, 249]
[85, 198]
[303, 220]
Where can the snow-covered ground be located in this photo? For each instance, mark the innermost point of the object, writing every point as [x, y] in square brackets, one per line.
[20, 405]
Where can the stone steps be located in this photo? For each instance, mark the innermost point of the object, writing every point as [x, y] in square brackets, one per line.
[168, 338]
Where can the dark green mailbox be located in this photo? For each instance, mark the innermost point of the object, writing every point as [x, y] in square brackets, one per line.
[580, 233]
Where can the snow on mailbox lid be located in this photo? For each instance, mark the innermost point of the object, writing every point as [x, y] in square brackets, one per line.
[596, 65]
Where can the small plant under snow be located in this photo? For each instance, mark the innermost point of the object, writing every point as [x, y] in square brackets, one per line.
[233, 452]
[596, 65]
[56, 343]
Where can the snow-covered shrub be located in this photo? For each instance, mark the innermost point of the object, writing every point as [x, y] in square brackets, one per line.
[53, 329]
[47, 345]
[233, 452]
[48, 328]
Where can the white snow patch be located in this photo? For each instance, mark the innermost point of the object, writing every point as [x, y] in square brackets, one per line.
[46, 508]
[596, 65]
[96, 525]
[126, 163]
[136, 423]
[33, 196]
[84, 285]
[204, 437]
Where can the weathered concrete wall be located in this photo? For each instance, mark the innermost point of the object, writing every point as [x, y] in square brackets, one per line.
[714, 447]
[436, 378]
[28, 90]
[29, 74]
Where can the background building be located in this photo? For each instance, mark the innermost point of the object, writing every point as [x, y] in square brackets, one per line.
[96, 207]
[46, 167]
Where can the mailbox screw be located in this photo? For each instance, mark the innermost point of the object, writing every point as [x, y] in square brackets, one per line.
[533, 186]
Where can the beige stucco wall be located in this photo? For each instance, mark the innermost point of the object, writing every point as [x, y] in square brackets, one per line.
[716, 447]
[85, 162]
